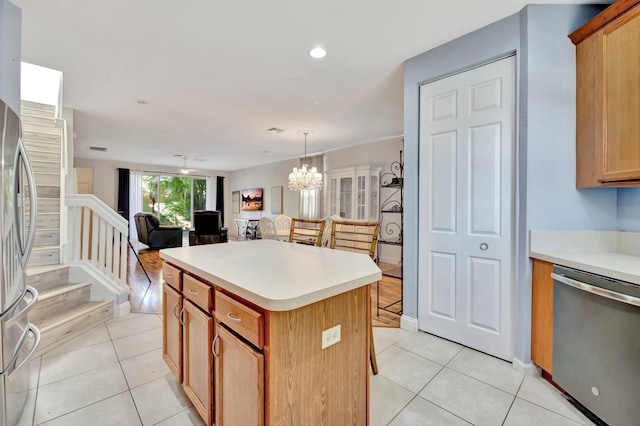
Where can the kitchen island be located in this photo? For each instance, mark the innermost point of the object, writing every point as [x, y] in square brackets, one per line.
[266, 332]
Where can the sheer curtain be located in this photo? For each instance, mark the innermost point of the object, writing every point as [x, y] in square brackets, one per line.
[135, 201]
[311, 200]
[309, 206]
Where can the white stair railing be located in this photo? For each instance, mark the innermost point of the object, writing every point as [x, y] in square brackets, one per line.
[98, 237]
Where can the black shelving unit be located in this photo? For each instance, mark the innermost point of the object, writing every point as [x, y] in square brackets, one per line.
[391, 224]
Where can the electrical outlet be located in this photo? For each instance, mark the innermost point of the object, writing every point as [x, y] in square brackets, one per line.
[330, 336]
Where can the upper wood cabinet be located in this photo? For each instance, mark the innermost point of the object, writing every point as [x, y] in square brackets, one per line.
[608, 97]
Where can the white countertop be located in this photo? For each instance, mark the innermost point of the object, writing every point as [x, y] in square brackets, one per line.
[615, 265]
[275, 275]
[609, 253]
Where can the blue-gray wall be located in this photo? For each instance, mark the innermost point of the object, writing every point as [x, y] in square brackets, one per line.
[546, 197]
[10, 35]
[629, 209]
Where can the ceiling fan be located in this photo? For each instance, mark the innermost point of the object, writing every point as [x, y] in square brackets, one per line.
[184, 170]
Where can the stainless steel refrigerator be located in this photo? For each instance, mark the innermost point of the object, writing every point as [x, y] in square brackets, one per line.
[18, 338]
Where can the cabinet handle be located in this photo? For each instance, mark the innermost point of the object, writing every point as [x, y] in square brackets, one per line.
[175, 308]
[182, 316]
[213, 346]
[168, 275]
[232, 318]
[193, 292]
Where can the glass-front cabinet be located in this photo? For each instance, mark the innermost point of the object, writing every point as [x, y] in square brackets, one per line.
[352, 193]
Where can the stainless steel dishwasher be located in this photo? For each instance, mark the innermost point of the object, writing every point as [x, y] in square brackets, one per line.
[596, 343]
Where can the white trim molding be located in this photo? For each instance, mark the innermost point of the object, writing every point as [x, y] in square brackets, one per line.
[526, 369]
[409, 323]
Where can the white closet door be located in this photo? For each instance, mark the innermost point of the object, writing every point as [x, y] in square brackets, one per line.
[467, 142]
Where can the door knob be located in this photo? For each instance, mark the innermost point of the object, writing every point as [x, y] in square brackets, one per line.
[484, 246]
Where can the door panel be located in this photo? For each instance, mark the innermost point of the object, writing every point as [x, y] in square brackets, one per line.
[172, 330]
[443, 295]
[484, 294]
[484, 180]
[197, 375]
[466, 215]
[443, 182]
[444, 106]
[485, 95]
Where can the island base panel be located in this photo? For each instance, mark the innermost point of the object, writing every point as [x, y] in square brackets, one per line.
[306, 384]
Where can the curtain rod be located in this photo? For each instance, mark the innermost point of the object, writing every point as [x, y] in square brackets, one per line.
[167, 173]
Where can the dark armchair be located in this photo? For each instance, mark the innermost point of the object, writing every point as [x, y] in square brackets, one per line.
[207, 228]
[155, 236]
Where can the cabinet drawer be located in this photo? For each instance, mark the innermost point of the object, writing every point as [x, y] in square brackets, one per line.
[240, 318]
[172, 276]
[198, 292]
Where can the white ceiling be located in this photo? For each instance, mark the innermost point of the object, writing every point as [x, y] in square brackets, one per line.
[218, 74]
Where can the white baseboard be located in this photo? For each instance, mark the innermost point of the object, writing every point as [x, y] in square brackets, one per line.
[409, 323]
[526, 369]
[121, 309]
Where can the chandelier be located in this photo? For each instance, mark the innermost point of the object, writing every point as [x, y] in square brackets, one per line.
[305, 178]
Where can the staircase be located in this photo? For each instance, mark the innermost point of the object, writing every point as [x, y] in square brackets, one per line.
[64, 308]
[42, 140]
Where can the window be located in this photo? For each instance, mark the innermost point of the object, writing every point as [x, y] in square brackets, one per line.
[173, 199]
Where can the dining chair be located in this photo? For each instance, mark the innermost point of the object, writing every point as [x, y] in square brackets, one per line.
[306, 231]
[241, 227]
[283, 227]
[326, 234]
[358, 237]
[267, 229]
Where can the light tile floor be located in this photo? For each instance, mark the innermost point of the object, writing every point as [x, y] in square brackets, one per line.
[115, 375]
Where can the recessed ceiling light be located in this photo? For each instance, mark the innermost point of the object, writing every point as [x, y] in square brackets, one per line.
[317, 52]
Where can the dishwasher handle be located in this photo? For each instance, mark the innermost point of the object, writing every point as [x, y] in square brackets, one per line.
[613, 295]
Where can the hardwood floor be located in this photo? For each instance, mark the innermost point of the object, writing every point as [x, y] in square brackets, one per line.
[146, 297]
[390, 290]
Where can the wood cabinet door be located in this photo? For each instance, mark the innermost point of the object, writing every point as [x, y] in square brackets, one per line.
[198, 360]
[621, 150]
[172, 330]
[542, 315]
[239, 378]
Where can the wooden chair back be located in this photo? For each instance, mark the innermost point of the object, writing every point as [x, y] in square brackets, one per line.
[359, 237]
[306, 231]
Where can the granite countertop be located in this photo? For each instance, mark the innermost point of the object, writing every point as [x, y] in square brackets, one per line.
[610, 253]
[275, 275]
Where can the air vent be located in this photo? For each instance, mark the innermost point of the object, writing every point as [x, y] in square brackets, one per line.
[275, 130]
[98, 148]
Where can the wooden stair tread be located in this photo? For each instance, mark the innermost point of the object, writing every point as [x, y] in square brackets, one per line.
[39, 128]
[61, 289]
[71, 314]
[37, 105]
[37, 270]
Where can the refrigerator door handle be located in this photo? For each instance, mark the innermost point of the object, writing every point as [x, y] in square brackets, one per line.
[22, 154]
[36, 334]
[34, 299]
